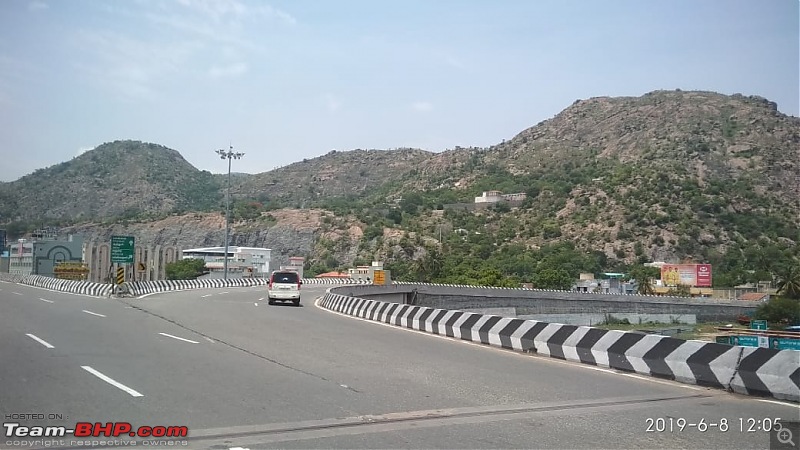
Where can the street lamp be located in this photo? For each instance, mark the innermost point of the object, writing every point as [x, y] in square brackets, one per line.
[229, 155]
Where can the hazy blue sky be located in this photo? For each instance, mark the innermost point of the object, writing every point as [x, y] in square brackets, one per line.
[287, 80]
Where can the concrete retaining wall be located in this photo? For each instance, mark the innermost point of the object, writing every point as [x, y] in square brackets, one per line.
[531, 301]
[752, 371]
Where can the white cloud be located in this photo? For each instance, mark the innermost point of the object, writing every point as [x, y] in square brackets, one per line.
[131, 67]
[222, 10]
[332, 102]
[37, 5]
[422, 106]
[233, 70]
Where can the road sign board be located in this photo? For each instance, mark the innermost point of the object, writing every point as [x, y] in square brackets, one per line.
[122, 249]
[758, 324]
[380, 278]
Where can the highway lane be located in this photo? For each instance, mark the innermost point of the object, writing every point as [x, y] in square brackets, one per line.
[301, 377]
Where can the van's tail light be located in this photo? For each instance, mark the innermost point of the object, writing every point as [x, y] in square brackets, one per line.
[298, 284]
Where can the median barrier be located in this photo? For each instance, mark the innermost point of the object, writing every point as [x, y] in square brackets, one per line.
[56, 284]
[137, 288]
[751, 371]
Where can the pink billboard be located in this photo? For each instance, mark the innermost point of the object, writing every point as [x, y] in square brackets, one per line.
[694, 275]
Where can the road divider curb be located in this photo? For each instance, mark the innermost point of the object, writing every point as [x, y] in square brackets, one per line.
[744, 370]
[139, 288]
[55, 284]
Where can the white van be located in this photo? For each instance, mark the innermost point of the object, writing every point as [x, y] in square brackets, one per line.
[284, 285]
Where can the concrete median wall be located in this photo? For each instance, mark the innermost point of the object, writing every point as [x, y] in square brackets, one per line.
[751, 371]
[532, 301]
[151, 287]
[55, 284]
[147, 287]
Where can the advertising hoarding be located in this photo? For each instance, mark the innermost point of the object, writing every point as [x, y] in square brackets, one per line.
[694, 275]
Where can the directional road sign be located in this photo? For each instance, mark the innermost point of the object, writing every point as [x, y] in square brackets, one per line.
[122, 249]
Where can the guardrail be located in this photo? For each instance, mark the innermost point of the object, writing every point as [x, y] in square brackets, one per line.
[745, 370]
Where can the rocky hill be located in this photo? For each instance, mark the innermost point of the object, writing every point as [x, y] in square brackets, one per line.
[334, 175]
[670, 175]
[116, 179]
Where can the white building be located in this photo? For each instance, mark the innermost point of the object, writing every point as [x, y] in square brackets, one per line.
[489, 197]
[497, 196]
[239, 258]
[20, 260]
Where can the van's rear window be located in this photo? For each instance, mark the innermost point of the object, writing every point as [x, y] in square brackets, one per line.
[287, 277]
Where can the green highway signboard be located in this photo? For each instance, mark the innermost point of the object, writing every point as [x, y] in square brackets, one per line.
[122, 249]
[758, 325]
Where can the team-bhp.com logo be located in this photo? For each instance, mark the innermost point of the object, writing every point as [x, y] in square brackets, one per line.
[97, 429]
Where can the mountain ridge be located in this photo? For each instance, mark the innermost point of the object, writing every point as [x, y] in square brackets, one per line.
[667, 175]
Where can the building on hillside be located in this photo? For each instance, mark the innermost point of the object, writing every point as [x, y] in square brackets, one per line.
[497, 196]
[241, 260]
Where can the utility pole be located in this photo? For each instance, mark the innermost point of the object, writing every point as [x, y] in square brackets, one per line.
[229, 155]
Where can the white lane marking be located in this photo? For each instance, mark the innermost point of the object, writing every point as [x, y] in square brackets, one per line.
[46, 300]
[207, 295]
[178, 338]
[513, 353]
[112, 382]
[256, 303]
[16, 293]
[93, 313]
[238, 448]
[226, 292]
[261, 299]
[40, 340]
[778, 402]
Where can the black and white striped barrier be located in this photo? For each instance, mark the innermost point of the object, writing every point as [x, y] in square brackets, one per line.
[745, 370]
[56, 284]
[138, 288]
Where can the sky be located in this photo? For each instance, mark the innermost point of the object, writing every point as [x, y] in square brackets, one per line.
[286, 80]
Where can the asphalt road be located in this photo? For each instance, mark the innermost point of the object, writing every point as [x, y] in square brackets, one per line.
[239, 373]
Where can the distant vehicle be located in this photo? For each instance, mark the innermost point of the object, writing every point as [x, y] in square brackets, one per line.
[284, 285]
[793, 328]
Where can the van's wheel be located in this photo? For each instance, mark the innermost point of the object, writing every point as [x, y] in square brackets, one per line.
[296, 302]
[270, 301]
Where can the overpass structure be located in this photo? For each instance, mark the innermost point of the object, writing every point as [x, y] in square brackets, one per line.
[344, 371]
[439, 309]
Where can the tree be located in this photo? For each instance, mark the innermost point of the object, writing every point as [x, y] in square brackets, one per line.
[644, 277]
[680, 290]
[779, 310]
[185, 269]
[552, 279]
[789, 280]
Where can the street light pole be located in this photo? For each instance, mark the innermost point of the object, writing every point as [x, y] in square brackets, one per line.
[229, 155]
